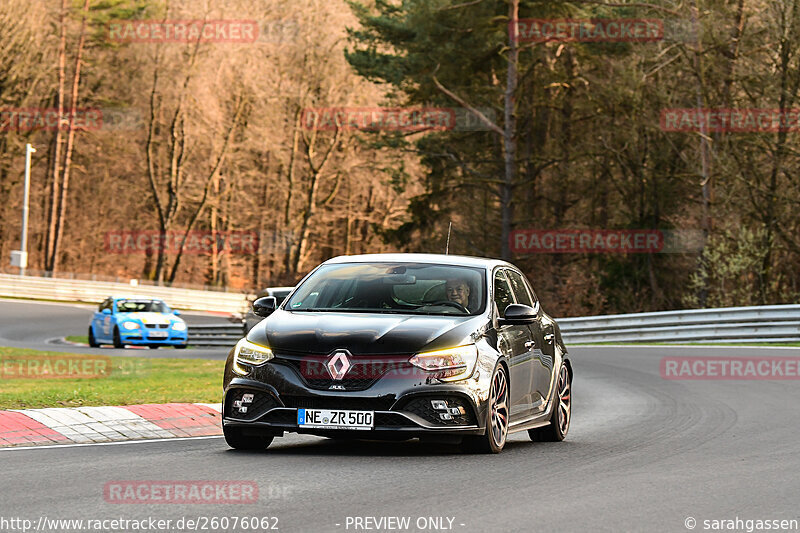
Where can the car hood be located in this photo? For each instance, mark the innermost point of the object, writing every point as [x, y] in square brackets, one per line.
[146, 317]
[365, 334]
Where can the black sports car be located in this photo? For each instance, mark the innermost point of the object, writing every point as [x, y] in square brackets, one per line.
[400, 346]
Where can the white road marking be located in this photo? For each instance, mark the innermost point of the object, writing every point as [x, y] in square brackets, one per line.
[96, 424]
[17, 448]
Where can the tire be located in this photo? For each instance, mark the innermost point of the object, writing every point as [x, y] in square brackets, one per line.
[561, 416]
[92, 341]
[238, 441]
[494, 438]
[181, 346]
[117, 339]
[153, 346]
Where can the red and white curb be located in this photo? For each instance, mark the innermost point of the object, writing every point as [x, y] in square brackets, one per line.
[84, 425]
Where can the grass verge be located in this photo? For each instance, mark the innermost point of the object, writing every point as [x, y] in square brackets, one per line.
[35, 379]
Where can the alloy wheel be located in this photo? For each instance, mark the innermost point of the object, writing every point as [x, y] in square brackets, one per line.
[564, 400]
[499, 408]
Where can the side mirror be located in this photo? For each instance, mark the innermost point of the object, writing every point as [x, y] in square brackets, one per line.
[518, 314]
[176, 312]
[265, 306]
[106, 311]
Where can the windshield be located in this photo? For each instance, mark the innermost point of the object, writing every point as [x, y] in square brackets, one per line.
[141, 306]
[409, 288]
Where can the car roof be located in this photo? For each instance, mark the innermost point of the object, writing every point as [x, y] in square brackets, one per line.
[439, 259]
[275, 289]
[132, 297]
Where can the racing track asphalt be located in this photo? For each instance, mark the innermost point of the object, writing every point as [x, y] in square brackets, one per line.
[42, 325]
[643, 454]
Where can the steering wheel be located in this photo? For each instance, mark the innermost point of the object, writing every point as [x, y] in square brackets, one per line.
[452, 304]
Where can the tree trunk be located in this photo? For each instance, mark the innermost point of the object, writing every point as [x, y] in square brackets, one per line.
[55, 172]
[509, 137]
[76, 80]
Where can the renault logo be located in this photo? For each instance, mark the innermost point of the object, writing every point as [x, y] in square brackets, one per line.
[338, 364]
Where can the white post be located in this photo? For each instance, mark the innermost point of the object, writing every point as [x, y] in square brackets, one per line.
[24, 244]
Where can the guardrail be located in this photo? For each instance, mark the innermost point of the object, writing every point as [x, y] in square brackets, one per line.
[774, 323]
[74, 290]
[223, 335]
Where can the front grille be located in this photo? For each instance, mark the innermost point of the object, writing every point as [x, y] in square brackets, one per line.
[352, 404]
[156, 326]
[392, 420]
[262, 402]
[422, 407]
[363, 372]
[282, 418]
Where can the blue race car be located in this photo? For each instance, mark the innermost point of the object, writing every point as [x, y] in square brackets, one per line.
[137, 321]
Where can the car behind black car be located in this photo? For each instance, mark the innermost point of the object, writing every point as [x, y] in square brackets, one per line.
[280, 294]
[401, 346]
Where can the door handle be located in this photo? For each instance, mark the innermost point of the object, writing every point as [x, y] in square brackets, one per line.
[530, 344]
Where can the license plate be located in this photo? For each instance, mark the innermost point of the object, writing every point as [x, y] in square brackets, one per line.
[158, 334]
[335, 419]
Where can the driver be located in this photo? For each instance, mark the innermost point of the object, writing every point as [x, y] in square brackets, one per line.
[458, 291]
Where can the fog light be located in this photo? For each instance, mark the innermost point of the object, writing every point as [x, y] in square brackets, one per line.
[247, 398]
[439, 405]
[457, 411]
[445, 416]
[243, 409]
[237, 404]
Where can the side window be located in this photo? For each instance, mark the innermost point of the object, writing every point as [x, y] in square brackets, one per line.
[105, 305]
[530, 289]
[502, 293]
[519, 288]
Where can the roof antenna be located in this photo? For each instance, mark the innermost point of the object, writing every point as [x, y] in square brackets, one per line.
[447, 246]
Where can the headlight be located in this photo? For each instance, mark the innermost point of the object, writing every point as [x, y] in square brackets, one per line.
[448, 365]
[251, 354]
[179, 326]
[130, 325]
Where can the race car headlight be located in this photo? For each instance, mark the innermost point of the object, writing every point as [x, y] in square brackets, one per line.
[448, 365]
[251, 354]
[179, 326]
[128, 324]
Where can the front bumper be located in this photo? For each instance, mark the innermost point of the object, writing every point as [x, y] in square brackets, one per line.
[145, 338]
[401, 403]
